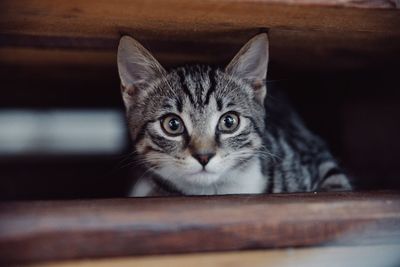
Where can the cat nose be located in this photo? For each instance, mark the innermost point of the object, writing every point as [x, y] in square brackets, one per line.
[203, 158]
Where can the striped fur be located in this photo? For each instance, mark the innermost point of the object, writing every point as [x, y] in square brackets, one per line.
[271, 151]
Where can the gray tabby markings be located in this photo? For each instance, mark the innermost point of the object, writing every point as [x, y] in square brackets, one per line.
[203, 130]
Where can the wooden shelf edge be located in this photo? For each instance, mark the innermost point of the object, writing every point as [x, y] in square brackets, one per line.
[320, 256]
[57, 230]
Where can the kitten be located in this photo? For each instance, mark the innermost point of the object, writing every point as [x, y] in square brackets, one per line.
[204, 131]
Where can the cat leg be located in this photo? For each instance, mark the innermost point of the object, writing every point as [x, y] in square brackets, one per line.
[333, 179]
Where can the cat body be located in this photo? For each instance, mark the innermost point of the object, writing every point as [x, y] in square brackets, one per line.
[199, 130]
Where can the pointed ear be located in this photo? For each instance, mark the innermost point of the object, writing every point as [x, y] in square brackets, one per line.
[137, 68]
[251, 63]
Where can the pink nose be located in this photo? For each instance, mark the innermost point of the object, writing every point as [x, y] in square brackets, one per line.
[204, 158]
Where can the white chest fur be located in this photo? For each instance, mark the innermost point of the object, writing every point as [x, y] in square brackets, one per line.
[248, 180]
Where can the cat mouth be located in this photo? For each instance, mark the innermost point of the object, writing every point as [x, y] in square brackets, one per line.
[201, 172]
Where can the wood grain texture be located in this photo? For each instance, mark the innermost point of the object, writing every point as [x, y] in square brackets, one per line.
[305, 35]
[55, 230]
[177, 17]
[356, 256]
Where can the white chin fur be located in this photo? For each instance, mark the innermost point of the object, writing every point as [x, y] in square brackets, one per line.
[191, 174]
[220, 179]
[188, 177]
[202, 179]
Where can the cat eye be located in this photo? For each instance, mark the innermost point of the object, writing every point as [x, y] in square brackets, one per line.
[172, 125]
[228, 123]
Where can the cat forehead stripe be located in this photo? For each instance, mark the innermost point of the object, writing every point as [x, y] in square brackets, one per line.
[198, 83]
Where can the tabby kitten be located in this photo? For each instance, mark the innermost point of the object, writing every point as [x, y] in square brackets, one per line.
[203, 131]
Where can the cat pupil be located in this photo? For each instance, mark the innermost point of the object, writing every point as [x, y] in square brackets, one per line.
[229, 121]
[173, 124]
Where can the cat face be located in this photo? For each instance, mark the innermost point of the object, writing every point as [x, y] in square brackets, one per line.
[195, 125]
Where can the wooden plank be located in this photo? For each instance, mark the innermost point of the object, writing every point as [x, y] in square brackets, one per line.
[55, 230]
[363, 256]
[305, 36]
[176, 17]
[288, 49]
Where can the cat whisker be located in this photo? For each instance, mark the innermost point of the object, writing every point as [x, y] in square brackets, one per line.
[147, 171]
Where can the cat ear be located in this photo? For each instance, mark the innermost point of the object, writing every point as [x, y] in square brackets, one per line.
[136, 67]
[251, 63]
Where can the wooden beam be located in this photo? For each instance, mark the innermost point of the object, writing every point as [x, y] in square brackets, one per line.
[56, 230]
[297, 51]
[305, 35]
[104, 19]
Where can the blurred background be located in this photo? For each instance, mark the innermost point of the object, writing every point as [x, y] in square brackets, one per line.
[62, 127]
